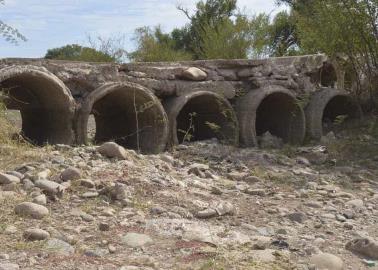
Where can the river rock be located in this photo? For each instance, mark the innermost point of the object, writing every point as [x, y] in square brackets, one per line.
[364, 246]
[6, 179]
[327, 261]
[112, 150]
[194, 74]
[36, 235]
[135, 240]
[71, 173]
[31, 210]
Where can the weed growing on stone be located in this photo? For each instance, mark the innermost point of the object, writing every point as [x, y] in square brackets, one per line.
[188, 134]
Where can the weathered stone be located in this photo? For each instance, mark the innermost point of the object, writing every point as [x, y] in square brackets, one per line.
[9, 266]
[265, 256]
[90, 194]
[364, 246]
[87, 217]
[35, 235]
[87, 183]
[194, 74]
[27, 184]
[50, 187]
[104, 226]
[40, 199]
[297, 217]
[267, 140]
[135, 240]
[112, 150]
[70, 173]
[207, 213]
[327, 261]
[225, 208]
[31, 210]
[255, 192]
[357, 203]
[17, 174]
[59, 246]
[6, 179]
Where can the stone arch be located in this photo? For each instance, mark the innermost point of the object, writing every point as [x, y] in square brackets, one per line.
[203, 115]
[46, 105]
[274, 109]
[326, 105]
[126, 113]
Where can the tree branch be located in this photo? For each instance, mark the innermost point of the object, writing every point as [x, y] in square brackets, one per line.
[185, 11]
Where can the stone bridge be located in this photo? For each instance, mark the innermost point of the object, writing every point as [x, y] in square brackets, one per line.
[151, 106]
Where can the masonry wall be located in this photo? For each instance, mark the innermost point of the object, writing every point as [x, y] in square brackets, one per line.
[250, 97]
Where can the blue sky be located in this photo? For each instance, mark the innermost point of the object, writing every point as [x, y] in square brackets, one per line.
[54, 23]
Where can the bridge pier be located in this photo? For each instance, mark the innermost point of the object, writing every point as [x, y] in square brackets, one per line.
[46, 105]
[126, 113]
[274, 109]
[199, 116]
[328, 105]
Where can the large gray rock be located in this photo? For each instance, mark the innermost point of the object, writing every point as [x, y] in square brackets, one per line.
[59, 246]
[135, 240]
[8, 266]
[297, 217]
[357, 203]
[364, 246]
[112, 150]
[327, 261]
[40, 199]
[225, 208]
[267, 140]
[194, 74]
[6, 179]
[31, 210]
[50, 187]
[35, 235]
[70, 173]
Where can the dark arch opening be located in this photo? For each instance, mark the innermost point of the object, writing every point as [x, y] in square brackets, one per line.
[281, 115]
[205, 117]
[339, 111]
[328, 75]
[131, 117]
[45, 105]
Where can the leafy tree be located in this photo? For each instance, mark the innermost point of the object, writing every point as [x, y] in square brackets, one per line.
[209, 15]
[342, 27]
[155, 46]
[76, 52]
[9, 33]
[215, 30]
[260, 33]
[228, 39]
[112, 46]
[283, 34]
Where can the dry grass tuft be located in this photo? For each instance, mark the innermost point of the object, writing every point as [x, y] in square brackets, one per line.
[13, 149]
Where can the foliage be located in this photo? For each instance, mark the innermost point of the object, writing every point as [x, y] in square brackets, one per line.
[259, 26]
[208, 15]
[283, 35]
[347, 28]
[228, 40]
[215, 30]
[9, 33]
[189, 133]
[112, 46]
[154, 46]
[76, 52]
